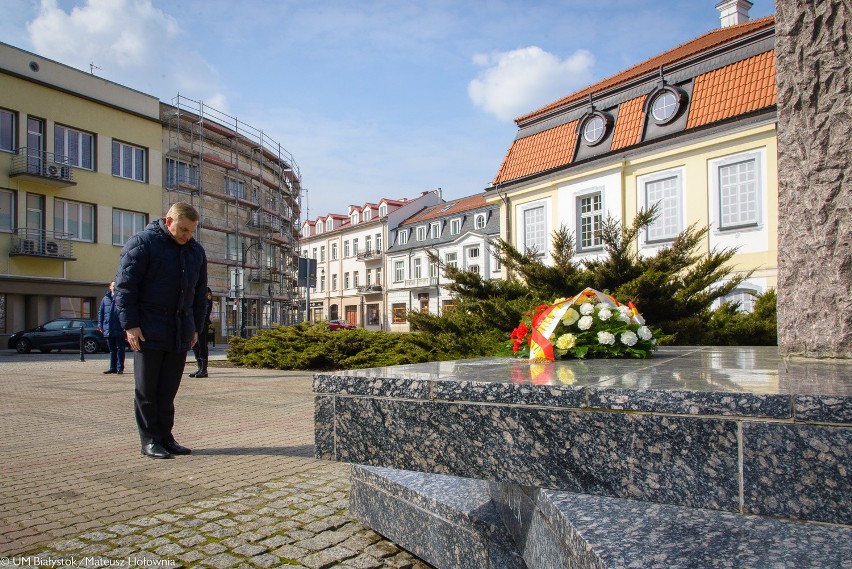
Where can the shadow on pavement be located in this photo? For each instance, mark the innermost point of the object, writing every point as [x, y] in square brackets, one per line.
[306, 451]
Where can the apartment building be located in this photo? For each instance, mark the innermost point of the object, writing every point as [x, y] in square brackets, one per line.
[247, 188]
[458, 234]
[80, 172]
[351, 255]
[692, 131]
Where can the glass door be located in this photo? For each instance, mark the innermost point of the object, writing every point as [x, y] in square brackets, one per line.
[34, 241]
[35, 146]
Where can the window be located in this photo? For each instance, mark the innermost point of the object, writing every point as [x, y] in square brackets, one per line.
[345, 249]
[181, 174]
[125, 224]
[433, 269]
[473, 269]
[368, 214]
[473, 253]
[378, 242]
[665, 192]
[7, 130]
[322, 254]
[354, 218]
[447, 305]
[314, 253]
[744, 297]
[355, 246]
[451, 260]
[334, 251]
[666, 104]
[455, 226]
[402, 237]
[383, 210]
[306, 230]
[346, 280]
[378, 276]
[128, 161]
[417, 268]
[75, 146]
[738, 194]
[421, 233]
[7, 210]
[322, 283]
[589, 220]
[479, 221]
[435, 230]
[355, 279]
[74, 218]
[398, 271]
[534, 230]
[319, 227]
[594, 129]
[369, 277]
[368, 243]
[399, 310]
[236, 188]
[333, 282]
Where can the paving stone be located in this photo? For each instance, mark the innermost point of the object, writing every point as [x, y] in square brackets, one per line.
[192, 556]
[97, 536]
[170, 549]
[277, 541]
[266, 560]
[331, 522]
[382, 549]
[249, 550]
[322, 540]
[193, 540]
[327, 557]
[122, 529]
[190, 523]
[95, 549]
[155, 543]
[170, 518]
[211, 515]
[222, 561]
[213, 548]
[290, 552]
[365, 561]
[145, 522]
[160, 530]
[187, 510]
[69, 545]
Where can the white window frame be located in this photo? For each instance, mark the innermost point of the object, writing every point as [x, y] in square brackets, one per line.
[451, 259]
[417, 268]
[355, 247]
[402, 237]
[129, 161]
[334, 251]
[383, 210]
[596, 218]
[62, 142]
[398, 271]
[345, 248]
[125, 224]
[378, 242]
[757, 158]
[530, 238]
[319, 227]
[322, 254]
[368, 242]
[435, 230]
[421, 233]
[62, 222]
[179, 172]
[670, 218]
[236, 188]
[8, 130]
[455, 226]
[479, 221]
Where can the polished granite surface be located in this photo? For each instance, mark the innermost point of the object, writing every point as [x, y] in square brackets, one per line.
[731, 381]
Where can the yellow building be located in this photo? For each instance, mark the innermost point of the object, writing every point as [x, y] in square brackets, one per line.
[80, 172]
[692, 130]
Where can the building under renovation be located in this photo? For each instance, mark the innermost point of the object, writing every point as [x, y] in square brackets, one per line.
[247, 189]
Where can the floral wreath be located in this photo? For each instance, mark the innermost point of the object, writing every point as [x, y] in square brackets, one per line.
[591, 324]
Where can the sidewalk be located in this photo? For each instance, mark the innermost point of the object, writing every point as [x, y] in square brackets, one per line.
[75, 489]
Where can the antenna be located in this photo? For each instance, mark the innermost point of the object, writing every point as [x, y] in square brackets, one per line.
[92, 68]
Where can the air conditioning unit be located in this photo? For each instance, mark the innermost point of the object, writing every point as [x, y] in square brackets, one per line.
[51, 248]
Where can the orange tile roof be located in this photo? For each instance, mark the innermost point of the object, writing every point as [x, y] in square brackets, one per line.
[628, 127]
[709, 40]
[549, 149]
[736, 89]
[446, 209]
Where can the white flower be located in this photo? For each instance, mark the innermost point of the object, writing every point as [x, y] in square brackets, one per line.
[644, 332]
[604, 314]
[566, 341]
[586, 308]
[625, 311]
[585, 322]
[629, 338]
[570, 317]
[606, 338]
[623, 318]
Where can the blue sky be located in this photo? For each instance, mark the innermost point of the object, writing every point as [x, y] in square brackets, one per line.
[373, 98]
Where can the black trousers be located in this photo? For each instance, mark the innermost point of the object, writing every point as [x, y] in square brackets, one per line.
[157, 374]
[200, 349]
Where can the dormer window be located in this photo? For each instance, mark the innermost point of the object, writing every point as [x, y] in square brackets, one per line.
[368, 214]
[595, 127]
[402, 237]
[479, 221]
[383, 210]
[354, 218]
[665, 104]
[319, 227]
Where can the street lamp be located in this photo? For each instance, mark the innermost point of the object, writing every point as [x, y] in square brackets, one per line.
[244, 304]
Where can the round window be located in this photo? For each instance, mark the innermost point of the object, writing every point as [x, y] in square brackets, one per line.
[594, 129]
[664, 107]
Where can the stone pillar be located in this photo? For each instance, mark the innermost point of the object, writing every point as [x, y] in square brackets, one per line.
[814, 199]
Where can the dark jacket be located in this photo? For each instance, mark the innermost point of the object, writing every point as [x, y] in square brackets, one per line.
[161, 287]
[108, 317]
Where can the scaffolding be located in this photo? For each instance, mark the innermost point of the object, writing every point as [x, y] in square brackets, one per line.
[248, 190]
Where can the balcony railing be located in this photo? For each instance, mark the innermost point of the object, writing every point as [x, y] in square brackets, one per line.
[41, 243]
[370, 289]
[370, 254]
[44, 167]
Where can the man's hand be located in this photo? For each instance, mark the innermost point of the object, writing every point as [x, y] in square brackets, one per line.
[135, 338]
[194, 340]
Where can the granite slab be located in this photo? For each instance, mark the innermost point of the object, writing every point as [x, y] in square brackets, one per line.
[562, 529]
[680, 428]
[448, 521]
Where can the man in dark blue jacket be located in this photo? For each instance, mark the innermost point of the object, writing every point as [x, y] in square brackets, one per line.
[110, 325]
[161, 288]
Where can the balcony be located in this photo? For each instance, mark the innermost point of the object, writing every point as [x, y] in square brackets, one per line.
[369, 255]
[265, 221]
[370, 289]
[42, 167]
[42, 244]
[414, 283]
[268, 275]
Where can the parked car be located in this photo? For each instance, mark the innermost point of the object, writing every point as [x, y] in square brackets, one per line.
[60, 334]
[338, 324]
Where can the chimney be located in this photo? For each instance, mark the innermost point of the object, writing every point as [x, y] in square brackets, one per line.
[733, 12]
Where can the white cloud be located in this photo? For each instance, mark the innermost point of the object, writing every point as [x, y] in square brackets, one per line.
[517, 82]
[130, 42]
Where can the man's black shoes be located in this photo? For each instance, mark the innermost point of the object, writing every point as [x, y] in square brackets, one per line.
[110, 371]
[174, 448]
[154, 450]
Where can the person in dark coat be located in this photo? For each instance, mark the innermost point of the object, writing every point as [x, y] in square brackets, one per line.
[109, 324]
[160, 291]
[200, 348]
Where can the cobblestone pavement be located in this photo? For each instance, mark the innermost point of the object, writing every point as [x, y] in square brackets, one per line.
[75, 491]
